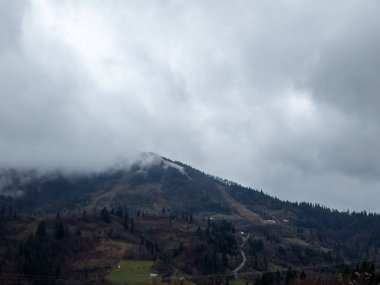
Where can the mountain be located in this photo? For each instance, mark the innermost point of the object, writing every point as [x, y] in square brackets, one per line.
[62, 227]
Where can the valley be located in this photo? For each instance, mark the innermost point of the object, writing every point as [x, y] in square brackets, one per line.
[166, 222]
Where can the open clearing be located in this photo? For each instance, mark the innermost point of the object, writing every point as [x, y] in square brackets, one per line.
[296, 241]
[136, 272]
[131, 272]
[237, 282]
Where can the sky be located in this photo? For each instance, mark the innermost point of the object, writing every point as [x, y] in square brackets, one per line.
[281, 96]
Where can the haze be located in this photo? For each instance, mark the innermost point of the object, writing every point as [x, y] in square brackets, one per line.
[281, 96]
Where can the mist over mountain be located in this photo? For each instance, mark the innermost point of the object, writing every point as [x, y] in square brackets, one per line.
[180, 218]
[285, 93]
[189, 141]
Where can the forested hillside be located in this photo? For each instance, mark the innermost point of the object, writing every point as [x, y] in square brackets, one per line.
[194, 227]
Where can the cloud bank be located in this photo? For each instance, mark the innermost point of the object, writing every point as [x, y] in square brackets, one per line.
[278, 96]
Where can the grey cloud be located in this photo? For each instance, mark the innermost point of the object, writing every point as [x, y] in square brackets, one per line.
[11, 17]
[280, 96]
[347, 70]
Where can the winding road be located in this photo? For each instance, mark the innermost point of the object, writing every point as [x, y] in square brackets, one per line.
[236, 270]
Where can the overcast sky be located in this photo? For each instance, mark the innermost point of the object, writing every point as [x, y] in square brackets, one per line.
[277, 95]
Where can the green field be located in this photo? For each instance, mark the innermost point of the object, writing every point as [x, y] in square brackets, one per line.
[297, 241]
[136, 272]
[237, 282]
[132, 272]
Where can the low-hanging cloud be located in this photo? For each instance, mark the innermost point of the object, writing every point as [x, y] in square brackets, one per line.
[280, 96]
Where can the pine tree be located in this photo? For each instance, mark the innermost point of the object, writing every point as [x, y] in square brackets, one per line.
[41, 230]
[132, 225]
[105, 215]
[126, 220]
[59, 228]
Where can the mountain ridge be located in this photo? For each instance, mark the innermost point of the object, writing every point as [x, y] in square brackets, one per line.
[181, 216]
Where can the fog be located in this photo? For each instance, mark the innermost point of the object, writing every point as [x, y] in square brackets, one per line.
[276, 96]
